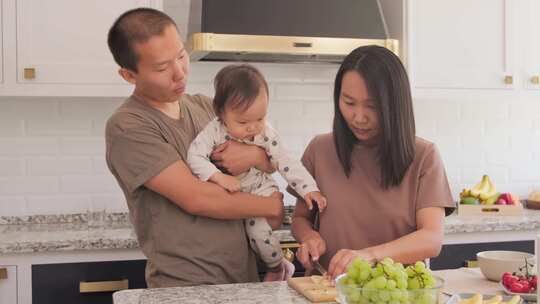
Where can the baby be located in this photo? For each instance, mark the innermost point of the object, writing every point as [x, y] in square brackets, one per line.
[241, 104]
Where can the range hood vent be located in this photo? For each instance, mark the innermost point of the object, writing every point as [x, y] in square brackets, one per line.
[285, 30]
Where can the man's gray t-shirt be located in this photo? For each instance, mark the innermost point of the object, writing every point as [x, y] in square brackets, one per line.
[182, 249]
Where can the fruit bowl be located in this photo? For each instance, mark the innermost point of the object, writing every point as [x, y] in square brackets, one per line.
[351, 294]
[494, 263]
[529, 297]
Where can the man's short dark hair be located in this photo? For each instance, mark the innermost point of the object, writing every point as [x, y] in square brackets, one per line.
[135, 26]
[237, 86]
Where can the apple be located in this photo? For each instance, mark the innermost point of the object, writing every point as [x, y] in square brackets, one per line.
[507, 197]
[500, 201]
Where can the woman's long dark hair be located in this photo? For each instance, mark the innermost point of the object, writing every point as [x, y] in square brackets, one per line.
[388, 85]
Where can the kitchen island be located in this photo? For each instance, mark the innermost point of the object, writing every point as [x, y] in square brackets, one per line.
[82, 241]
[456, 281]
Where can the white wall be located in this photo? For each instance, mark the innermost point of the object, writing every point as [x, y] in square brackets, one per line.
[51, 149]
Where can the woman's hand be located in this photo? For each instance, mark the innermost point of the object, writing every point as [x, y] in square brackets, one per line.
[343, 258]
[311, 250]
[236, 158]
[318, 198]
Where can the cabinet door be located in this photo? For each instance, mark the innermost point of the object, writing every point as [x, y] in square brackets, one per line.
[84, 283]
[8, 284]
[531, 44]
[457, 255]
[65, 41]
[461, 43]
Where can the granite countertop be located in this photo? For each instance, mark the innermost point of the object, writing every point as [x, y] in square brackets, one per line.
[114, 231]
[271, 292]
[457, 281]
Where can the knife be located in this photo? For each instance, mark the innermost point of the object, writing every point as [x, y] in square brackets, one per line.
[320, 268]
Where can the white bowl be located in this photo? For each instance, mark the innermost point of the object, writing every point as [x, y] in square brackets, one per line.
[494, 263]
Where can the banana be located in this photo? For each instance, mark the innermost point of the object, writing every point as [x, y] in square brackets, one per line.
[481, 187]
[465, 193]
[491, 190]
[492, 199]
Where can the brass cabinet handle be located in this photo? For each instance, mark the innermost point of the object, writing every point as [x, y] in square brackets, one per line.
[3, 274]
[535, 79]
[288, 254]
[471, 263]
[508, 79]
[103, 286]
[29, 73]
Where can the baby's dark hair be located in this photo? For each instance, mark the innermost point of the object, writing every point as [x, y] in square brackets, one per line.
[237, 86]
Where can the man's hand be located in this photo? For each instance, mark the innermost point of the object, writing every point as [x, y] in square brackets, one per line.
[236, 158]
[311, 250]
[230, 183]
[318, 198]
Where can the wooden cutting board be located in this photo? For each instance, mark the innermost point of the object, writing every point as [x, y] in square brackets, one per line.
[314, 288]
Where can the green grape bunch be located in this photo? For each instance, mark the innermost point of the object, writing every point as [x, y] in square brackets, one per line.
[387, 282]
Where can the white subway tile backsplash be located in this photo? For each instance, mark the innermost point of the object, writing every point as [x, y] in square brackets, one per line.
[29, 185]
[99, 165]
[88, 184]
[282, 110]
[450, 126]
[525, 109]
[58, 204]
[13, 205]
[36, 166]
[52, 149]
[89, 108]
[83, 146]
[304, 91]
[29, 146]
[479, 142]
[487, 110]
[10, 166]
[53, 126]
[471, 176]
[109, 202]
[28, 107]
[318, 109]
[10, 127]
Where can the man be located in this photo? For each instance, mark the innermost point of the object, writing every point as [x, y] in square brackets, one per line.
[191, 231]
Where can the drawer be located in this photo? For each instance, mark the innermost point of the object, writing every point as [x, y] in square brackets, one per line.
[464, 255]
[82, 283]
[8, 284]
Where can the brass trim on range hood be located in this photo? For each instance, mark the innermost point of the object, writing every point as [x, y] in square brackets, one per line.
[232, 47]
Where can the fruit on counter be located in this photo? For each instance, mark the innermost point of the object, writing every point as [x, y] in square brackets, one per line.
[485, 193]
[493, 199]
[520, 283]
[534, 196]
[526, 282]
[507, 197]
[388, 282]
[478, 299]
[500, 201]
[484, 189]
[469, 201]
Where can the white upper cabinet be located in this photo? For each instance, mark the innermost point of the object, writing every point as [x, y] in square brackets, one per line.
[530, 38]
[1, 44]
[59, 47]
[461, 43]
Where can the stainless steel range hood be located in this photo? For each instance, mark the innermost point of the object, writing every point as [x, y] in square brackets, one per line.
[285, 30]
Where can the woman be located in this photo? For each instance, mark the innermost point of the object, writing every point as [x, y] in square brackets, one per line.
[386, 188]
